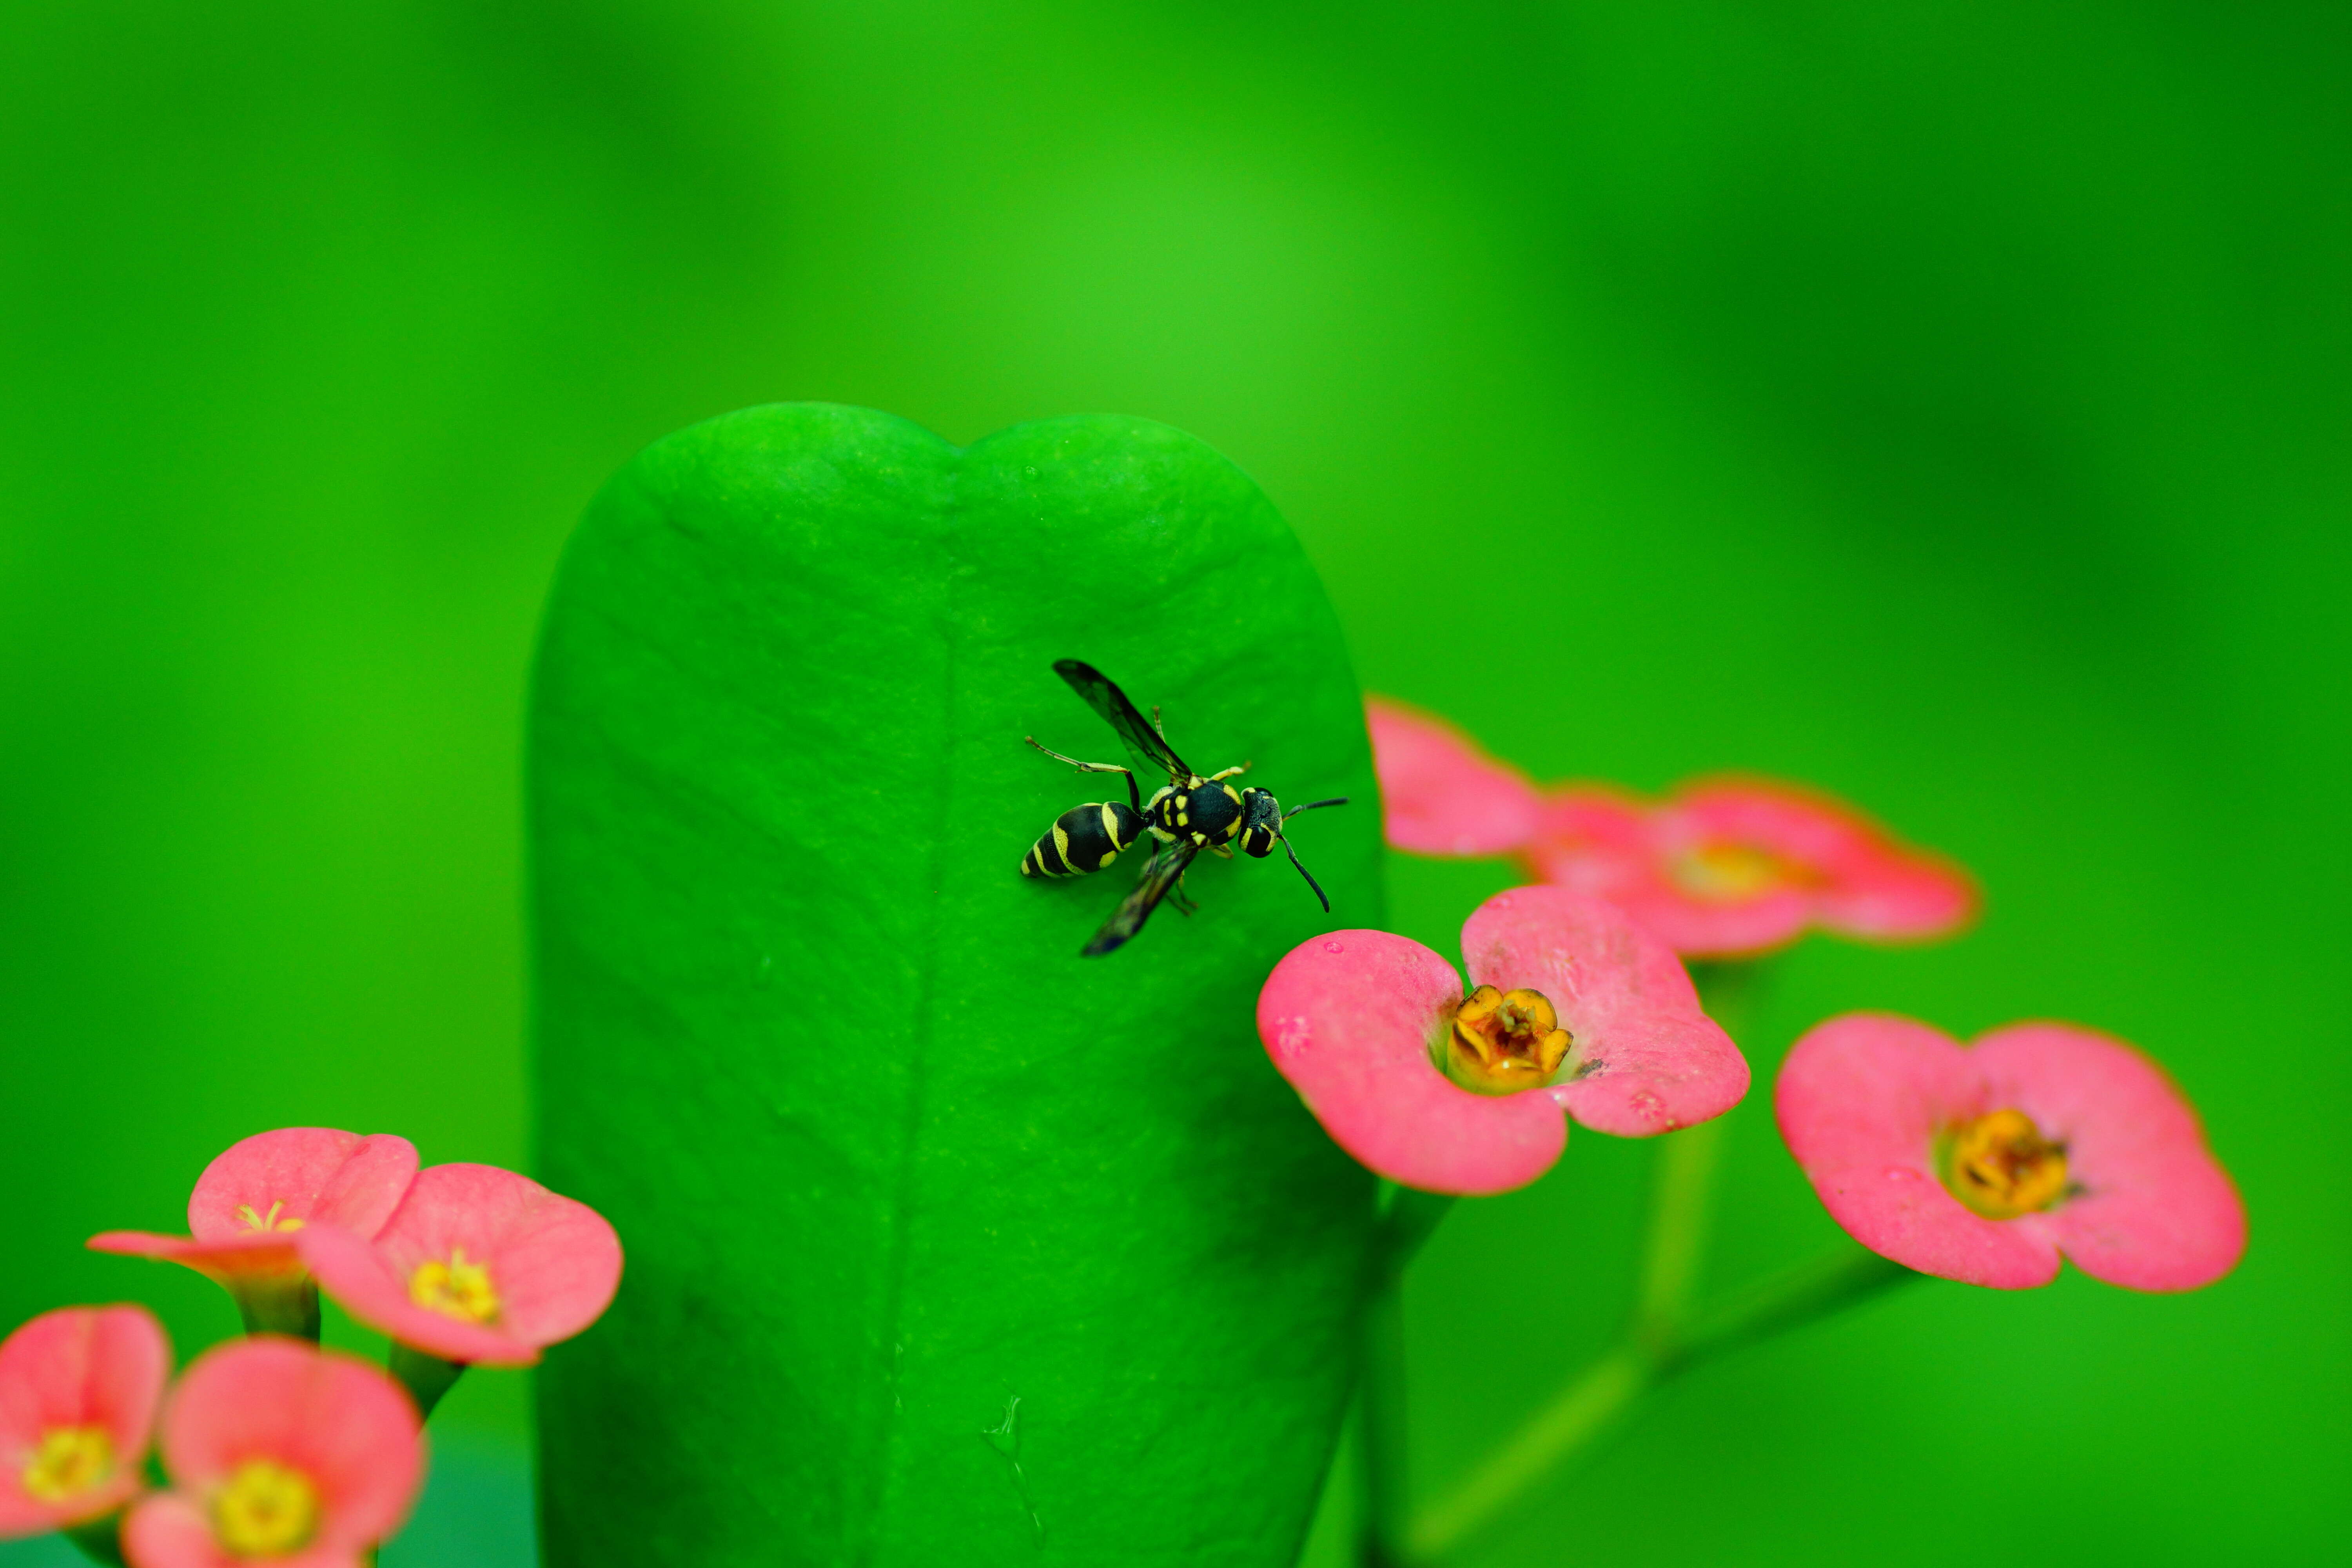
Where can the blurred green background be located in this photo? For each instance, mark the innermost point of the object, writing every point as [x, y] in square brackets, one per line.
[1947, 404]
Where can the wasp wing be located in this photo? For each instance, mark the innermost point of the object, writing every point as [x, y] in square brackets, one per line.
[1159, 877]
[1102, 694]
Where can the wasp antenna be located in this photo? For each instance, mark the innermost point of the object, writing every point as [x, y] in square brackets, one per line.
[1313, 805]
[1303, 871]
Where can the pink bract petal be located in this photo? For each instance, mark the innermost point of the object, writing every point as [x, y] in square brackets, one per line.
[1860, 1102]
[1735, 866]
[1440, 793]
[74, 1367]
[1861, 882]
[1794, 823]
[169, 1531]
[1910, 896]
[2155, 1211]
[1596, 841]
[319, 1173]
[1863, 1098]
[343, 1423]
[553, 1263]
[230, 1261]
[1644, 1058]
[256, 1197]
[1350, 1018]
[1592, 839]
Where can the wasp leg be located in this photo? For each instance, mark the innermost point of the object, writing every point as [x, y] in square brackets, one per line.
[1229, 773]
[1134, 794]
[1221, 851]
[1177, 898]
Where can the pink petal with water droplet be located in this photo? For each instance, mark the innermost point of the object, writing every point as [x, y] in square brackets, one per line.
[1649, 1059]
[1440, 793]
[1350, 1019]
[2155, 1211]
[1860, 1102]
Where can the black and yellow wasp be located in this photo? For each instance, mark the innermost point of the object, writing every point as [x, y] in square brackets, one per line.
[1190, 813]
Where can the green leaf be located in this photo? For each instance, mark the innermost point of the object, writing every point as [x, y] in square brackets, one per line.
[946, 1245]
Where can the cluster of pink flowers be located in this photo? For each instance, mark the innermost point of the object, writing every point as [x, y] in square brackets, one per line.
[1983, 1163]
[276, 1449]
[1727, 867]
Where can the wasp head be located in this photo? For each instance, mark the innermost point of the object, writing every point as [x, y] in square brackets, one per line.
[1261, 821]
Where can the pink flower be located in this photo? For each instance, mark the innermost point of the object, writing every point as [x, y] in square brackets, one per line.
[1723, 868]
[1577, 1011]
[252, 1201]
[477, 1265]
[1984, 1164]
[1730, 866]
[1440, 794]
[280, 1451]
[78, 1388]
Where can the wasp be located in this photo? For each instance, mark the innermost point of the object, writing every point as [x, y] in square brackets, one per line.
[1190, 813]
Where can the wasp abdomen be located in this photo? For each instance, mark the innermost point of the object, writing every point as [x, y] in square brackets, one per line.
[1084, 839]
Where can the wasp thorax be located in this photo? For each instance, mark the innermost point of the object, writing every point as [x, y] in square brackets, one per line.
[1500, 1042]
[2001, 1166]
[1204, 812]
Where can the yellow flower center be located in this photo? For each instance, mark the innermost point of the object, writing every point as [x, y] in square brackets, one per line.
[266, 1509]
[1501, 1042]
[2001, 1166]
[70, 1462]
[1723, 872]
[267, 1221]
[457, 1288]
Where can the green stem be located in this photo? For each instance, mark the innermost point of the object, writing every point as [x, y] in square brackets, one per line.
[1681, 1215]
[1407, 1217]
[1680, 1211]
[1787, 1301]
[1732, 990]
[1570, 1421]
[1642, 1362]
[425, 1376]
[280, 1306]
[1380, 1449]
[101, 1539]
